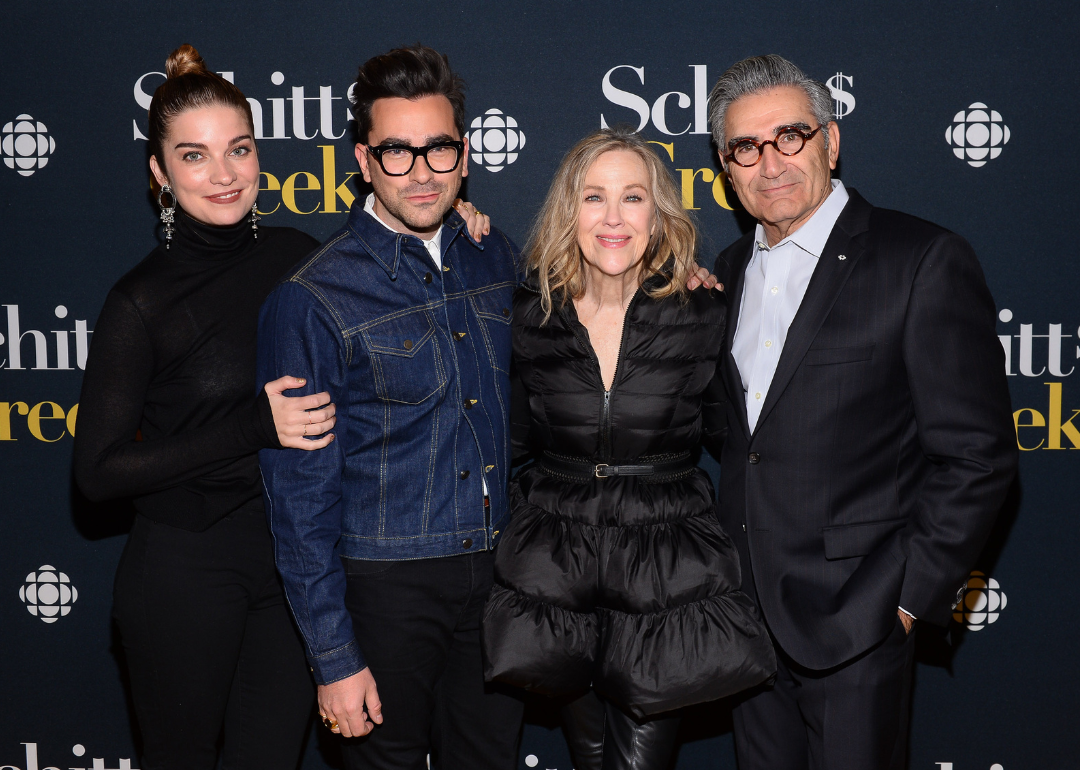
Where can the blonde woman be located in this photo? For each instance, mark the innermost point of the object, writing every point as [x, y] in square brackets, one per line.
[615, 586]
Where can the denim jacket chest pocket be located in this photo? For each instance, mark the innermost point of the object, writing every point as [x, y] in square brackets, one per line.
[492, 308]
[405, 357]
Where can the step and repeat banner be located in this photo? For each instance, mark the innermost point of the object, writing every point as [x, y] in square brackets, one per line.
[962, 113]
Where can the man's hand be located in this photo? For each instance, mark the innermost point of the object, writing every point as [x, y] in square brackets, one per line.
[702, 277]
[353, 703]
[907, 620]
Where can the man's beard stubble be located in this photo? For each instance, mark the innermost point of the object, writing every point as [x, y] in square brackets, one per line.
[422, 217]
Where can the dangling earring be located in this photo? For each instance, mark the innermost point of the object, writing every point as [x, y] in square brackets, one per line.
[168, 213]
[255, 220]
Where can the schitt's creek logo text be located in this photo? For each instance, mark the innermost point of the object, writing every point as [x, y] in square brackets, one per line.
[46, 349]
[1048, 353]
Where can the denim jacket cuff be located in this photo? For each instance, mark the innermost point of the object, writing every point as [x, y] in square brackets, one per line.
[337, 664]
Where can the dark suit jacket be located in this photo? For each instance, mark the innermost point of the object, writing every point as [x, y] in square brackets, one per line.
[885, 445]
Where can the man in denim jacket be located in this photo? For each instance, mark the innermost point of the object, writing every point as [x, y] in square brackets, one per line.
[384, 539]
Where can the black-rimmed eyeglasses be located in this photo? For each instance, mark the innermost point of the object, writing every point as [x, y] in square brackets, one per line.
[398, 159]
[789, 141]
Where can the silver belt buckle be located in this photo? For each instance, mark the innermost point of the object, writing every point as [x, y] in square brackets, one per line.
[597, 470]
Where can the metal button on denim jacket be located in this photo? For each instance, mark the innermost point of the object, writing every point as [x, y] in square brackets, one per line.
[417, 360]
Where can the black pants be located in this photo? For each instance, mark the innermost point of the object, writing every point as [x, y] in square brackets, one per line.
[418, 625]
[210, 644]
[602, 736]
[853, 717]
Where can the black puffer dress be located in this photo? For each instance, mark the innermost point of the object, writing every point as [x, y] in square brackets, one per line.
[627, 584]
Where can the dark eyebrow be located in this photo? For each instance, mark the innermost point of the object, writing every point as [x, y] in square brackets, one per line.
[197, 146]
[396, 141]
[776, 131]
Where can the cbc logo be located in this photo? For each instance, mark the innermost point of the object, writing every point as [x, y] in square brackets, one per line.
[26, 145]
[977, 135]
[495, 140]
[981, 604]
[48, 594]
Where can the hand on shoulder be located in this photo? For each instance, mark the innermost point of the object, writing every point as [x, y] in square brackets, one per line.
[702, 277]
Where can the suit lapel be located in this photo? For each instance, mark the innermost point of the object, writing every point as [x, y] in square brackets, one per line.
[838, 259]
[736, 279]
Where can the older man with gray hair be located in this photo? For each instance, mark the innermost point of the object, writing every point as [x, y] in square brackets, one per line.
[870, 441]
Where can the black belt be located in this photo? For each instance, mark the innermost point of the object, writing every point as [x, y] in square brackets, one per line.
[668, 466]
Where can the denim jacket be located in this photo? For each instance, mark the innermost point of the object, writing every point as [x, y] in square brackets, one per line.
[417, 359]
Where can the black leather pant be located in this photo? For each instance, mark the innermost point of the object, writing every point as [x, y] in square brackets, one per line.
[603, 737]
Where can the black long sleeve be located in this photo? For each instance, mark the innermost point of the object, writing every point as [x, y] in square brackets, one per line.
[110, 461]
[169, 413]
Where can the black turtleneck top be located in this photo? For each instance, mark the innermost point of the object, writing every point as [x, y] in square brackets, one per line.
[169, 413]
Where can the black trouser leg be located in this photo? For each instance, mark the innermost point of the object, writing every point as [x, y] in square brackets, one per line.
[769, 729]
[271, 694]
[603, 737]
[852, 717]
[418, 625]
[465, 704]
[183, 602]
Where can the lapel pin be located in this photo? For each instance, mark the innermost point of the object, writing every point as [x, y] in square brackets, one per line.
[842, 257]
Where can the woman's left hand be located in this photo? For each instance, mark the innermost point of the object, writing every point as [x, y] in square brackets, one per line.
[299, 419]
[702, 277]
[479, 224]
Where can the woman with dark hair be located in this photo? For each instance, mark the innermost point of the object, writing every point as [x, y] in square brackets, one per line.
[615, 585]
[169, 416]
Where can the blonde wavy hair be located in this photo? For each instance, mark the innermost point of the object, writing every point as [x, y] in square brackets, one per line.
[552, 251]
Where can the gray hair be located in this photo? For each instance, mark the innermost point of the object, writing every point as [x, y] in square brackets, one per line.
[757, 75]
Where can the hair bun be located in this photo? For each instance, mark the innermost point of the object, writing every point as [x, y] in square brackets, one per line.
[185, 60]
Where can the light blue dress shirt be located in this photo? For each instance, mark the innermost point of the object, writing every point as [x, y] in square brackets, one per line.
[773, 289]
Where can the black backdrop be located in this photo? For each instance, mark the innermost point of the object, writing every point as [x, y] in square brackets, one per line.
[912, 81]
